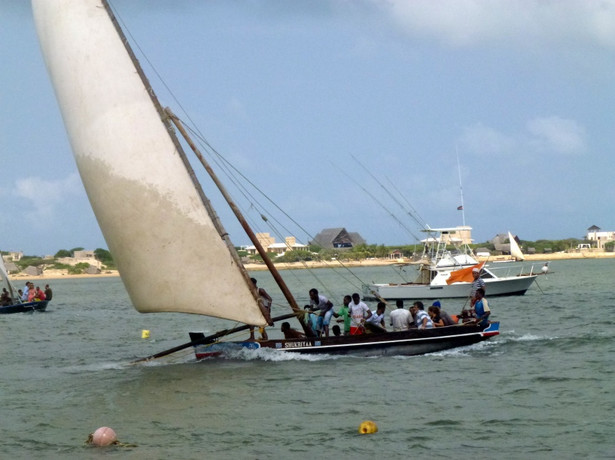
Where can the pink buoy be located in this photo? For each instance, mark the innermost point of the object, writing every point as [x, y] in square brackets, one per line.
[104, 436]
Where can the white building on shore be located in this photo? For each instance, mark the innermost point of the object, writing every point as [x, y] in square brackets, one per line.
[268, 242]
[594, 233]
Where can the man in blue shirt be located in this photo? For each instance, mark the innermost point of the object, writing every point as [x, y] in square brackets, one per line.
[481, 308]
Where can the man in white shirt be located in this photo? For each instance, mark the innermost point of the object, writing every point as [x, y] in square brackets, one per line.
[401, 319]
[359, 312]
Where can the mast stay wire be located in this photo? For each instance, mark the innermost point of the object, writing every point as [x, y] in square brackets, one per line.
[232, 172]
[224, 165]
[378, 202]
[390, 194]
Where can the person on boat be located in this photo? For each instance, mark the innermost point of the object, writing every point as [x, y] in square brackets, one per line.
[290, 333]
[434, 315]
[39, 295]
[359, 312]
[375, 323]
[266, 301]
[336, 330]
[31, 293]
[481, 308]
[48, 292]
[312, 320]
[324, 308]
[5, 298]
[421, 318]
[446, 318]
[476, 284]
[400, 318]
[26, 291]
[343, 314]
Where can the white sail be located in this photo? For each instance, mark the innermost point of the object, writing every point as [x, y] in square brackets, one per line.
[166, 244]
[5, 282]
[515, 250]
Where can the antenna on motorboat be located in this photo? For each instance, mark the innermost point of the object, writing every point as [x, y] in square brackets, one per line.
[460, 208]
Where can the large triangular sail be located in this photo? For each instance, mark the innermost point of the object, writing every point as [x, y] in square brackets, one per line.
[171, 251]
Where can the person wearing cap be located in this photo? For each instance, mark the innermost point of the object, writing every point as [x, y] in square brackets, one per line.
[476, 284]
[400, 318]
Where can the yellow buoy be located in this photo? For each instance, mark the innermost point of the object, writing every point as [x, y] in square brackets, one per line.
[145, 334]
[368, 427]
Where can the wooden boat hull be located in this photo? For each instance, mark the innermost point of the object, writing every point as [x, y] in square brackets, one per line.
[40, 305]
[516, 285]
[403, 343]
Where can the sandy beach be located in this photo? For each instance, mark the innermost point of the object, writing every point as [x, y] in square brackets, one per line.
[62, 274]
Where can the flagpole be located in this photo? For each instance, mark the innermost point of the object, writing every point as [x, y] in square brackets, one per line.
[463, 212]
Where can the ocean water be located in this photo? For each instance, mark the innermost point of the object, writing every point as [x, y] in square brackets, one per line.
[544, 388]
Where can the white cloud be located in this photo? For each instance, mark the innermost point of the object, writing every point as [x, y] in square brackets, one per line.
[547, 135]
[532, 22]
[554, 134]
[45, 195]
[483, 140]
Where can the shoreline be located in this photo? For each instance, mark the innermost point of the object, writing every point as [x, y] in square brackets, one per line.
[57, 274]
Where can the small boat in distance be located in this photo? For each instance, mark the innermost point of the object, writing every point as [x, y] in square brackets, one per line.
[15, 305]
[130, 158]
[438, 263]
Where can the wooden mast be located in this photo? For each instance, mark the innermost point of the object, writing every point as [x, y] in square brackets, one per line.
[246, 227]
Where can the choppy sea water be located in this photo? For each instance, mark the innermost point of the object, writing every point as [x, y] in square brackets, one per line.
[544, 388]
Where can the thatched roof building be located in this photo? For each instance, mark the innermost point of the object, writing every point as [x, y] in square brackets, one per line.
[337, 238]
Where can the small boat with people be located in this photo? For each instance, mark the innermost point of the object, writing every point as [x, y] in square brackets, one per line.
[130, 156]
[10, 300]
[23, 307]
[439, 272]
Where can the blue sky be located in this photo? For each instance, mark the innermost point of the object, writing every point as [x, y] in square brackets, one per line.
[302, 97]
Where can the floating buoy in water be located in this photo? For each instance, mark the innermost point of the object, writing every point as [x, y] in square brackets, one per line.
[145, 334]
[368, 427]
[104, 436]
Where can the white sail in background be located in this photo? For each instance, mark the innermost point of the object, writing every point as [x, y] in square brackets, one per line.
[168, 250]
[515, 250]
[5, 282]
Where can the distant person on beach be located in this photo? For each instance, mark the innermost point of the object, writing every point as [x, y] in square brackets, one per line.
[290, 333]
[48, 292]
[359, 312]
[421, 318]
[266, 302]
[400, 318]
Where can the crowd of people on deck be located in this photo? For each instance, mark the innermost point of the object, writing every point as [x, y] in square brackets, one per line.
[357, 318]
[29, 293]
